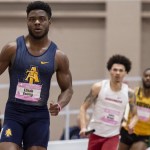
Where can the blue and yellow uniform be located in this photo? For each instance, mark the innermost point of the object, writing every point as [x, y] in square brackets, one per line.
[26, 113]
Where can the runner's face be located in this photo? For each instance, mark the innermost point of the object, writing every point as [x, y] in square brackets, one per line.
[146, 79]
[117, 72]
[38, 24]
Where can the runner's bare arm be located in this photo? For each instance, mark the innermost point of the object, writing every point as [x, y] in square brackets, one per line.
[6, 56]
[133, 109]
[89, 100]
[64, 80]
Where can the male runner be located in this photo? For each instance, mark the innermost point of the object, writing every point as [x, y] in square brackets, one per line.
[139, 139]
[109, 98]
[32, 60]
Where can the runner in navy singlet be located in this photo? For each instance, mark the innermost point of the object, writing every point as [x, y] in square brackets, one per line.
[32, 60]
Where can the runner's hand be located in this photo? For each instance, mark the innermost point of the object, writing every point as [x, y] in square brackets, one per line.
[54, 109]
[130, 129]
[83, 133]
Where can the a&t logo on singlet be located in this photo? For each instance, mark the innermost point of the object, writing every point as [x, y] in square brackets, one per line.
[32, 75]
[8, 133]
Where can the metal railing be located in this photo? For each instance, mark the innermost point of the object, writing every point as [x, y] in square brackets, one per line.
[67, 111]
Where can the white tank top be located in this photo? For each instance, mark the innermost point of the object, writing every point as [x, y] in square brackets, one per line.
[109, 110]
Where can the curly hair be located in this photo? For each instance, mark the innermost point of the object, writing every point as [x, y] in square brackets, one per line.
[119, 59]
[39, 5]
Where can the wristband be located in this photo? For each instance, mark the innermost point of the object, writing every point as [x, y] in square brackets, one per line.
[59, 106]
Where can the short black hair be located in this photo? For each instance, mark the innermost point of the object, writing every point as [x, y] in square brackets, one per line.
[119, 59]
[146, 70]
[39, 5]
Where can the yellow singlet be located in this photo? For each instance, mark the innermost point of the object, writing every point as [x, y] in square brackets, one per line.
[143, 107]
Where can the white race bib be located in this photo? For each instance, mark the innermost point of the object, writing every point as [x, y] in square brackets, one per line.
[110, 116]
[143, 113]
[28, 92]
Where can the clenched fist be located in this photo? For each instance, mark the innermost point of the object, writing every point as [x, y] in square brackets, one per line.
[54, 109]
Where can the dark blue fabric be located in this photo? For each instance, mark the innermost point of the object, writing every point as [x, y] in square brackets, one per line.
[26, 124]
[23, 62]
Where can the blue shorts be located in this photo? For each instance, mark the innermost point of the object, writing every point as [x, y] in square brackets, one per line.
[27, 125]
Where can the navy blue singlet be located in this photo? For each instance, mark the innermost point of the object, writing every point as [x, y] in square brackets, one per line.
[30, 76]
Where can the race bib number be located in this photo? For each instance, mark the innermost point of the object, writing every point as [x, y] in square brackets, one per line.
[109, 116]
[143, 113]
[28, 92]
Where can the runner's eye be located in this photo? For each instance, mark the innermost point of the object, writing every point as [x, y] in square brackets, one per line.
[32, 19]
